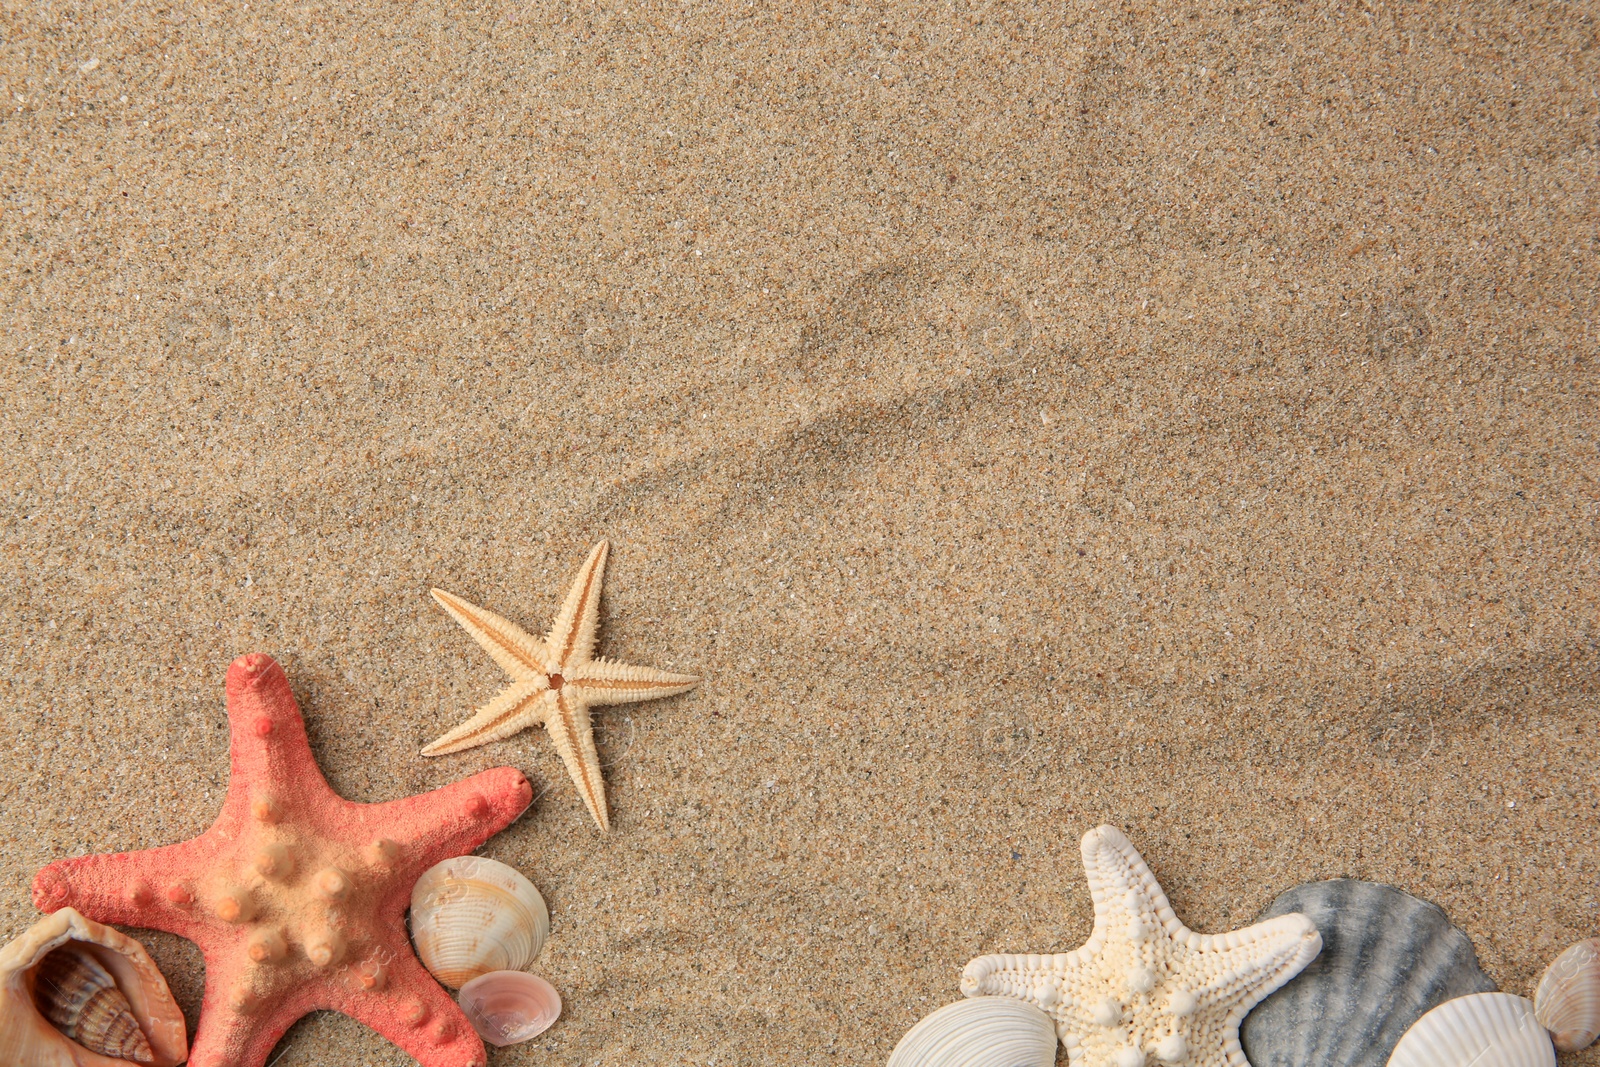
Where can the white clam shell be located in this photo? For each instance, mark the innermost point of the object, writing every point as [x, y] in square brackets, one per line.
[1478, 1030]
[471, 915]
[1567, 1001]
[507, 1007]
[28, 1039]
[980, 1032]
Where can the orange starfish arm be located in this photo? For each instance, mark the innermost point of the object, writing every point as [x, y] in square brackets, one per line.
[515, 708]
[605, 681]
[519, 655]
[573, 735]
[571, 639]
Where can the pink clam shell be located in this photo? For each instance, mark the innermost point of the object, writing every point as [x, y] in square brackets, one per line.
[507, 1007]
[1568, 999]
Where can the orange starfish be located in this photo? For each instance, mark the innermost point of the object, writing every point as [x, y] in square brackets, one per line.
[555, 681]
[296, 896]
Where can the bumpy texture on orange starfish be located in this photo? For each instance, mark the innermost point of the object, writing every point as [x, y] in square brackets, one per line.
[296, 896]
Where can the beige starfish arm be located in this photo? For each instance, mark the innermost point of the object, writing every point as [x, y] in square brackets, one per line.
[604, 681]
[1123, 888]
[571, 639]
[1238, 969]
[516, 707]
[518, 652]
[1018, 975]
[573, 735]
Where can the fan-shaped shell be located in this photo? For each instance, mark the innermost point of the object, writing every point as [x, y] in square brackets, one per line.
[74, 993]
[471, 915]
[981, 1032]
[1567, 1001]
[1480, 1030]
[507, 1007]
[1387, 958]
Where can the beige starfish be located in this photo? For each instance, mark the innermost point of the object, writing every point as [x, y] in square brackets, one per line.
[1145, 987]
[555, 681]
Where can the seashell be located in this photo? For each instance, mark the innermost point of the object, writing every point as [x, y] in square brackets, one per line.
[81, 999]
[507, 1007]
[1567, 1001]
[980, 1032]
[74, 993]
[471, 915]
[1479, 1030]
[1387, 958]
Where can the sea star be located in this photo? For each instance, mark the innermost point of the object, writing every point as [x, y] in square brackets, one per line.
[296, 896]
[554, 681]
[1144, 984]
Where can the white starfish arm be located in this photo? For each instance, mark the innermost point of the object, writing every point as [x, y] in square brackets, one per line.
[573, 735]
[571, 639]
[519, 653]
[1123, 889]
[516, 707]
[604, 681]
[1239, 968]
[1017, 975]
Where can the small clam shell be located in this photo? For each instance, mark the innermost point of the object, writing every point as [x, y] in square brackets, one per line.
[1567, 1001]
[980, 1032]
[471, 915]
[74, 993]
[1478, 1030]
[506, 1007]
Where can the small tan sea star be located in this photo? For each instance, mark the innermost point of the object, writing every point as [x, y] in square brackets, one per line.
[1144, 985]
[555, 681]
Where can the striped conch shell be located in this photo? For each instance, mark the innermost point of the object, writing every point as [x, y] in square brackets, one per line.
[74, 993]
[471, 915]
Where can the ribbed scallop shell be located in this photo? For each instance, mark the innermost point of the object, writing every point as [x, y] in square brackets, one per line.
[74, 993]
[507, 1007]
[980, 1032]
[1480, 1030]
[471, 915]
[1567, 1001]
[1386, 959]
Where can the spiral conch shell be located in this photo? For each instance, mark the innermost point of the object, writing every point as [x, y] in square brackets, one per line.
[471, 915]
[1568, 999]
[74, 993]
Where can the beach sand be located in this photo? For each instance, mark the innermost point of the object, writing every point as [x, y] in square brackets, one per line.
[1022, 417]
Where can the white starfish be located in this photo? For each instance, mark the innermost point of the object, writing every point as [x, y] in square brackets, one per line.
[1144, 985]
[555, 681]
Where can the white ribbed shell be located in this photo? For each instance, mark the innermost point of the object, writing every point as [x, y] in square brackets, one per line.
[981, 1032]
[1568, 999]
[471, 915]
[1478, 1030]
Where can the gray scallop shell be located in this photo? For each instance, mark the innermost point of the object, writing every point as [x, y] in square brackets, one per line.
[1387, 959]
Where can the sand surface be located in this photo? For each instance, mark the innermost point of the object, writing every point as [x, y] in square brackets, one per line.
[1023, 417]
